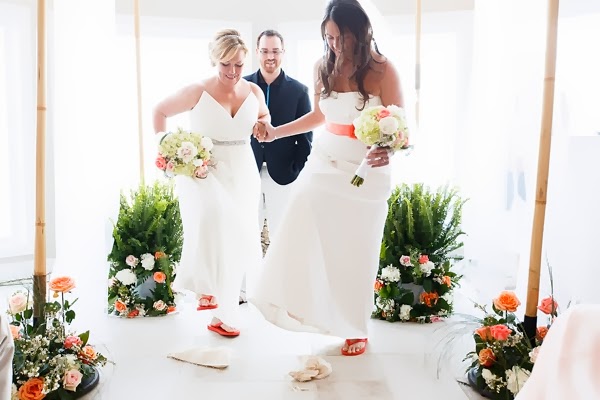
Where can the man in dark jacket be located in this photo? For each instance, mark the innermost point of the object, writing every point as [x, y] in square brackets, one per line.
[280, 161]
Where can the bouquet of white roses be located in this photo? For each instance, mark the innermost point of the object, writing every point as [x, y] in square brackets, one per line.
[380, 126]
[184, 153]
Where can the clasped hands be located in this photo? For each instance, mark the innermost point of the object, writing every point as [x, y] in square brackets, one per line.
[263, 132]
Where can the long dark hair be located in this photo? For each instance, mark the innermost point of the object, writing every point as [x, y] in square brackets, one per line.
[349, 16]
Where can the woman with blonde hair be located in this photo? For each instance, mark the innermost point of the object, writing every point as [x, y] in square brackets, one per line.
[219, 213]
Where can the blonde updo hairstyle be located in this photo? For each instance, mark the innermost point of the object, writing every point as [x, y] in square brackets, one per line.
[225, 45]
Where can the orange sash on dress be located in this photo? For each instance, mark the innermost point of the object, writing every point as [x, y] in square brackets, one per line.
[341, 130]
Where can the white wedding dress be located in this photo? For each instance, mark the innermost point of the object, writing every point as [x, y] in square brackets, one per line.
[220, 213]
[322, 264]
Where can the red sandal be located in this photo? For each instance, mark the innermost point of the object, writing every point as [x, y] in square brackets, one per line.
[218, 329]
[209, 306]
[350, 342]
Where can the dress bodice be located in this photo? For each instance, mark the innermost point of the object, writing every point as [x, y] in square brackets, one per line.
[209, 118]
[343, 108]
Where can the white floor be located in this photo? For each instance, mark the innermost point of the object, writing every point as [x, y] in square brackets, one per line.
[402, 360]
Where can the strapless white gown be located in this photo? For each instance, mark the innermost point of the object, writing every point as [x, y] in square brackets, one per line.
[220, 213]
[322, 264]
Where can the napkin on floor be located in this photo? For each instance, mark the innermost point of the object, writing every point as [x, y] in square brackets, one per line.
[213, 357]
[314, 368]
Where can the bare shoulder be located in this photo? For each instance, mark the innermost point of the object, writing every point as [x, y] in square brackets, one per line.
[254, 88]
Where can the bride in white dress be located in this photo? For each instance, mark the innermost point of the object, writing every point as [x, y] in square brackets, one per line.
[219, 213]
[319, 272]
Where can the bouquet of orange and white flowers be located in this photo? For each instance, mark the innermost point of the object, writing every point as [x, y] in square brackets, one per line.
[184, 153]
[380, 126]
[50, 361]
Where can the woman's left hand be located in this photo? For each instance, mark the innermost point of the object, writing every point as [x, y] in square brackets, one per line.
[379, 157]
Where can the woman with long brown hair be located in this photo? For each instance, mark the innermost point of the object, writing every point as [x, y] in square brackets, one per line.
[319, 272]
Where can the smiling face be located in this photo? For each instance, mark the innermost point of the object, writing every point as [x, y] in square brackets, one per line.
[339, 42]
[230, 71]
[270, 52]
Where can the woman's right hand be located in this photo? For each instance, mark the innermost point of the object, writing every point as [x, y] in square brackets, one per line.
[268, 134]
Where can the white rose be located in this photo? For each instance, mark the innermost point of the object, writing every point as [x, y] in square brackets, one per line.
[187, 151]
[427, 267]
[198, 162]
[405, 312]
[126, 277]
[390, 274]
[448, 297]
[533, 354]
[159, 305]
[131, 261]
[207, 143]
[17, 303]
[148, 261]
[488, 377]
[388, 125]
[516, 378]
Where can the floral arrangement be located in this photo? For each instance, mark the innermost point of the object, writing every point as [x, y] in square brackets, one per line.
[184, 153]
[504, 357]
[148, 239]
[380, 126]
[432, 299]
[50, 360]
[416, 277]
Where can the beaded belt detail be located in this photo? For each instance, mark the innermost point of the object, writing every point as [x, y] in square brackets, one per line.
[229, 142]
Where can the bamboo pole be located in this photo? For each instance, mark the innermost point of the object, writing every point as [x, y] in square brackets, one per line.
[537, 235]
[418, 61]
[138, 63]
[39, 259]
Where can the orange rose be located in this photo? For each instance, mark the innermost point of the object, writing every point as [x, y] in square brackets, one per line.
[160, 277]
[507, 301]
[15, 331]
[89, 353]
[32, 390]
[120, 306]
[429, 299]
[484, 333]
[486, 357]
[62, 284]
[133, 313]
[541, 333]
[446, 280]
[378, 285]
[171, 309]
[548, 306]
[159, 254]
[423, 258]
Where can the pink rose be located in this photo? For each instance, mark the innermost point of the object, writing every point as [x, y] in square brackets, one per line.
[548, 306]
[201, 172]
[500, 332]
[17, 303]
[161, 163]
[159, 305]
[170, 166]
[383, 114]
[72, 379]
[405, 260]
[71, 341]
[131, 261]
[423, 259]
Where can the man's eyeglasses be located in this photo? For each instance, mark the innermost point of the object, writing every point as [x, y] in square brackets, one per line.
[275, 52]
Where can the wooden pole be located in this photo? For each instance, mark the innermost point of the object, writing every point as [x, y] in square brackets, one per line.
[537, 235]
[138, 62]
[39, 258]
[418, 61]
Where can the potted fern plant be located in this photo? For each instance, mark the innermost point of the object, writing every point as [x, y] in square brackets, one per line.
[148, 238]
[421, 236]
